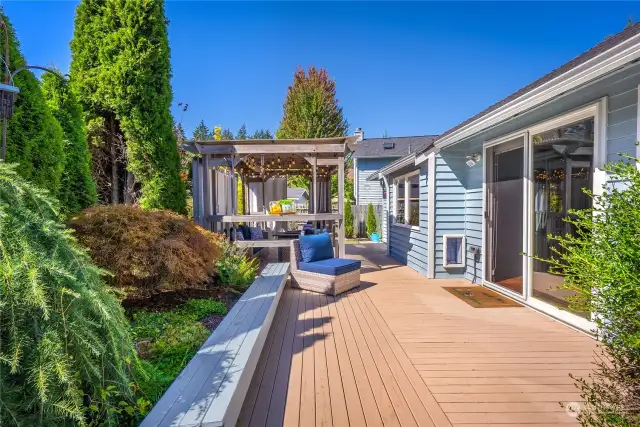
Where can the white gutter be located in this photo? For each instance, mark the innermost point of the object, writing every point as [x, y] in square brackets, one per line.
[595, 68]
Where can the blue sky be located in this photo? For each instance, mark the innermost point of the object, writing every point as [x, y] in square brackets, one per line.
[401, 68]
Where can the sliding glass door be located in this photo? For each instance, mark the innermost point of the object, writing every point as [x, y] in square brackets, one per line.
[563, 168]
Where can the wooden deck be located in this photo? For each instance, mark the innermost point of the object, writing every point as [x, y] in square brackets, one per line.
[401, 351]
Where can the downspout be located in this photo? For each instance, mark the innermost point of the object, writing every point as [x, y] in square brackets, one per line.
[355, 179]
[386, 185]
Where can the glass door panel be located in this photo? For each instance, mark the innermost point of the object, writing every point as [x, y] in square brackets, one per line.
[562, 168]
[505, 215]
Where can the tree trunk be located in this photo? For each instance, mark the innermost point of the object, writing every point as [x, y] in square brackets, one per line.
[115, 174]
[129, 191]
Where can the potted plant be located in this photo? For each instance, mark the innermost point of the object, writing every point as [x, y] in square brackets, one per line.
[372, 225]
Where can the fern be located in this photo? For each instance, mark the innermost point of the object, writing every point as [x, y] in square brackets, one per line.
[64, 336]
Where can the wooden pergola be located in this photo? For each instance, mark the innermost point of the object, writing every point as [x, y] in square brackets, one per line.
[258, 160]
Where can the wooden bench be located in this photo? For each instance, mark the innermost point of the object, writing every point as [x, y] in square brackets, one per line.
[211, 389]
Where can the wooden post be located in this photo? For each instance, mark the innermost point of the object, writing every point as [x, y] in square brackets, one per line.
[264, 200]
[196, 190]
[341, 221]
[314, 189]
[234, 187]
[207, 191]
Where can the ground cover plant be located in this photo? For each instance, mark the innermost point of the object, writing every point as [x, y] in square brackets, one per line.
[167, 340]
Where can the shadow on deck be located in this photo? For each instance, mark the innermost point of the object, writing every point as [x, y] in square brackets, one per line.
[401, 351]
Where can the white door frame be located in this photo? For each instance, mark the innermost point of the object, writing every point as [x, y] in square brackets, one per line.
[598, 110]
[487, 170]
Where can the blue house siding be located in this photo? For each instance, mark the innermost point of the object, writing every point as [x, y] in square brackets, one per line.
[473, 218]
[370, 191]
[450, 205]
[459, 188]
[407, 245]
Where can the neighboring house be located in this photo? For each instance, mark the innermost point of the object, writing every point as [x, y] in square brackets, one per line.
[494, 187]
[371, 154]
[299, 196]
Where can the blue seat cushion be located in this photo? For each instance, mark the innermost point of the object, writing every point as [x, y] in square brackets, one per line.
[316, 247]
[331, 267]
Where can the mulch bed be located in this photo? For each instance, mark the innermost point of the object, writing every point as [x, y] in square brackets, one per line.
[480, 297]
[169, 300]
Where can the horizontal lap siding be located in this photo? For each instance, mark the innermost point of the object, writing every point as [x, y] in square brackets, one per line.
[410, 246]
[450, 204]
[473, 218]
[622, 118]
[370, 191]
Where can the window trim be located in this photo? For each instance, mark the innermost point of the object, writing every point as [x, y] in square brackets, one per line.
[463, 255]
[407, 195]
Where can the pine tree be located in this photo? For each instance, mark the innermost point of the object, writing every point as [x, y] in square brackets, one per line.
[77, 190]
[261, 134]
[65, 338]
[202, 132]
[227, 135]
[121, 72]
[311, 108]
[34, 137]
[242, 132]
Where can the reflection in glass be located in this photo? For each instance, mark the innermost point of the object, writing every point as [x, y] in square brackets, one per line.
[414, 200]
[563, 164]
[400, 202]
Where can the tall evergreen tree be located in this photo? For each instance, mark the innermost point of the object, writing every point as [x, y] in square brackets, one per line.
[202, 132]
[34, 137]
[227, 135]
[311, 108]
[120, 69]
[261, 134]
[242, 132]
[77, 190]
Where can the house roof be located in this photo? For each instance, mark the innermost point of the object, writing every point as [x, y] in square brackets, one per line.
[607, 44]
[394, 166]
[295, 193]
[391, 147]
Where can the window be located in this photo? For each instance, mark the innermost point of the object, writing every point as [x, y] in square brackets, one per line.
[406, 200]
[454, 250]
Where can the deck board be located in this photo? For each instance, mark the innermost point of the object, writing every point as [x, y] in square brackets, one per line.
[402, 351]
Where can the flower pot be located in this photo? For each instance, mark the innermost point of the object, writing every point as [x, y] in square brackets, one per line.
[375, 237]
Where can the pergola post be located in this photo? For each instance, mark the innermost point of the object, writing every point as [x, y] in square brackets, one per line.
[234, 187]
[314, 189]
[341, 221]
[207, 190]
[196, 190]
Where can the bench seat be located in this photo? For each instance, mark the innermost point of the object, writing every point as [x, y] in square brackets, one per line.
[212, 387]
[331, 266]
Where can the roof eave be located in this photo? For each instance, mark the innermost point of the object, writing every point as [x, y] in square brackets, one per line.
[607, 62]
[393, 167]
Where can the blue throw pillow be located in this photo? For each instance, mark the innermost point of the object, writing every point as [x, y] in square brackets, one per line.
[316, 247]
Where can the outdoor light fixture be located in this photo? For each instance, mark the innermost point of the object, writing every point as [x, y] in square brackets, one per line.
[473, 159]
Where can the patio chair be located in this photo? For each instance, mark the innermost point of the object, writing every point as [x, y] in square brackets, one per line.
[314, 267]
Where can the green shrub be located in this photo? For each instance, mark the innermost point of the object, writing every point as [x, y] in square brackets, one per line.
[168, 340]
[235, 269]
[77, 188]
[600, 264]
[372, 224]
[65, 338]
[148, 251]
[348, 219]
